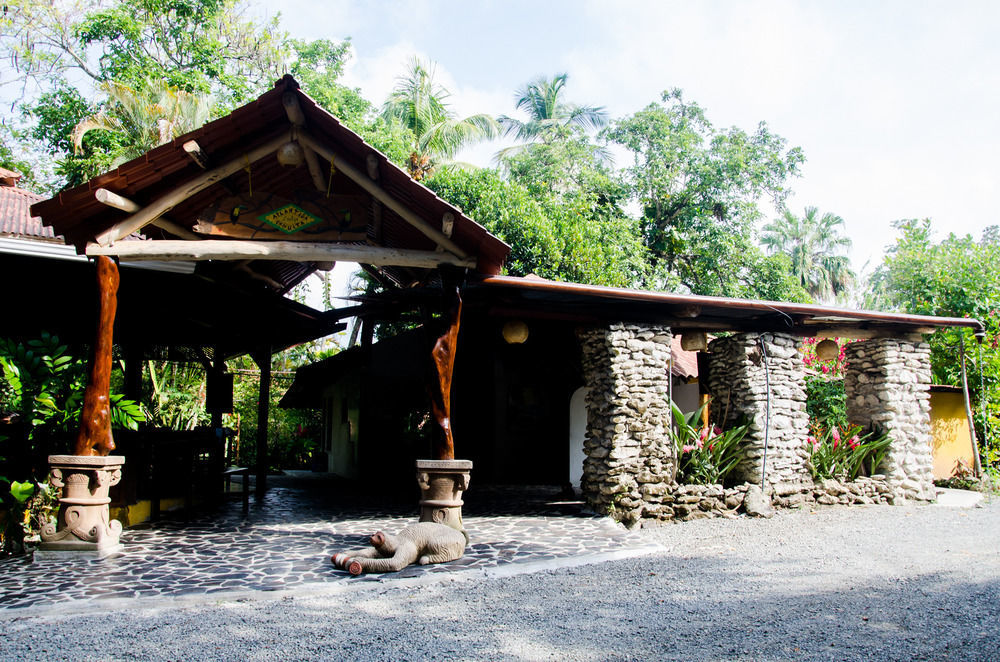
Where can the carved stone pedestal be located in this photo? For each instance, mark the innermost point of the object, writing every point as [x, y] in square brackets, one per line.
[84, 524]
[441, 485]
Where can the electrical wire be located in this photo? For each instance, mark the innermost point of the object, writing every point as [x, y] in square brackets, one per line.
[767, 408]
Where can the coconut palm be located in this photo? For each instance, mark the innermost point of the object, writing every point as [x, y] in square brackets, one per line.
[420, 104]
[144, 117]
[814, 244]
[540, 99]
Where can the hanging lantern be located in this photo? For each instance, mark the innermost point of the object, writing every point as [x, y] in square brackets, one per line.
[515, 332]
[290, 154]
[694, 341]
[827, 350]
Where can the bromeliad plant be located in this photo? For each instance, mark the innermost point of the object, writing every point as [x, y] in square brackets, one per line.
[846, 452]
[705, 455]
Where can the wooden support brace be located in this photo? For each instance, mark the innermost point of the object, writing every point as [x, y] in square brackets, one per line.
[112, 199]
[362, 180]
[165, 203]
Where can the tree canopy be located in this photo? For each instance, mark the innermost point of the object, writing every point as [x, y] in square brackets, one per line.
[954, 277]
[812, 243]
[699, 189]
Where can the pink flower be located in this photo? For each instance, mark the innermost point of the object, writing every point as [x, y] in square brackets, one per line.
[836, 434]
[711, 447]
[836, 442]
[704, 434]
[853, 441]
[687, 448]
[826, 368]
[716, 431]
[812, 440]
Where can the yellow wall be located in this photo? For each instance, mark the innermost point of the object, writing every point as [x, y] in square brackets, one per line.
[138, 513]
[949, 432]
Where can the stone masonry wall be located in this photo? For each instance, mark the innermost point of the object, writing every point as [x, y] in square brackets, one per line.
[738, 385]
[630, 458]
[888, 384]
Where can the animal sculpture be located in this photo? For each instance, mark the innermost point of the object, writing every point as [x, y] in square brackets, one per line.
[423, 543]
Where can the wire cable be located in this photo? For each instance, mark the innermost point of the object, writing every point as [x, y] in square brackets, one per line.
[767, 408]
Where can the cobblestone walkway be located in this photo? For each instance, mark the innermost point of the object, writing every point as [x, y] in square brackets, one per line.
[286, 541]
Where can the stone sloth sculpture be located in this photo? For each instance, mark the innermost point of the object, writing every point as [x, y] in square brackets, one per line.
[423, 543]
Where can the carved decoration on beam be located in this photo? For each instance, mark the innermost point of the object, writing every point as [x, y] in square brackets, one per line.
[307, 216]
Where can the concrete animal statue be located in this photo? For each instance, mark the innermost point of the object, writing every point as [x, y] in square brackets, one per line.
[423, 543]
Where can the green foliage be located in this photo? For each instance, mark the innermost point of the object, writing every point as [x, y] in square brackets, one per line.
[317, 67]
[826, 400]
[699, 189]
[705, 456]
[844, 452]
[813, 242]
[956, 277]
[45, 384]
[572, 239]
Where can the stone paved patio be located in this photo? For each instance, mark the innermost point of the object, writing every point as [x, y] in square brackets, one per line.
[285, 542]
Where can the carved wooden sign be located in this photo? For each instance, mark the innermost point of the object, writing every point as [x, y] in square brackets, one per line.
[306, 216]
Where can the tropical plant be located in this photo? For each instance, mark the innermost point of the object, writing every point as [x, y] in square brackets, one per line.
[420, 105]
[706, 455]
[541, 100]
[846, 452]
[814, 244]
[144, 117]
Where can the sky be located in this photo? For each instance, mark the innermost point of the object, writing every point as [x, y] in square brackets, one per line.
[895, 104]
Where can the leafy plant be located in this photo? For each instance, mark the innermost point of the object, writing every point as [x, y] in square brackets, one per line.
[705, 455]
[846, 451]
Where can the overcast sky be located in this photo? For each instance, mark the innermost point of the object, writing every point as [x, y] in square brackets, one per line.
[895, 104]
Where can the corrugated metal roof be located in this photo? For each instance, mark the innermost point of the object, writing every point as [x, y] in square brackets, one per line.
[680, 311]
[78, 215]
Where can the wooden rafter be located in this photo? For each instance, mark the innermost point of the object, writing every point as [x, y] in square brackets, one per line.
[362, 180]
[166, 202]
[112, 199]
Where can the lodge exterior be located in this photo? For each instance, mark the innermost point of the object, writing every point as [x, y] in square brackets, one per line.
[261, 198]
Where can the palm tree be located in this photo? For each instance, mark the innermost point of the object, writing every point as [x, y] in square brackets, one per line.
[419, 104]
[144, 117]
[540, 99]
[814, 244]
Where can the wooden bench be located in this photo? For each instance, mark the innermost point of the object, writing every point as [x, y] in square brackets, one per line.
[227, 475]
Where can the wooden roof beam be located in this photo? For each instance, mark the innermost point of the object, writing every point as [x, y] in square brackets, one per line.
[168, 201]
[197, 154]
[112, 199]
[296, 251]
[362, 180]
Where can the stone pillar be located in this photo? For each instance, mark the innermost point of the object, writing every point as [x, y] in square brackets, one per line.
[739, 387]
[630, 457]
[888, 385]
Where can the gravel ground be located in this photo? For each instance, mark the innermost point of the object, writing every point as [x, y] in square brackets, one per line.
[882, 583]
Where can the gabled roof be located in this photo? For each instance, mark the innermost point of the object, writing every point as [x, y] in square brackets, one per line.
[81, 218]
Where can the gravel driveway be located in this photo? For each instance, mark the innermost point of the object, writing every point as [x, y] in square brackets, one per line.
[883, 583]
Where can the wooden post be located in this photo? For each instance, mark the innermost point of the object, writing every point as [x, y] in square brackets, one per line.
[95, 418]
[443, 355]
[263, 361]
[976, 462]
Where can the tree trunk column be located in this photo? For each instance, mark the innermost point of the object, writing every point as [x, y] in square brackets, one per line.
[760, 377]
[443, 479]
[629, 456]
[84, 478]
[888, 385]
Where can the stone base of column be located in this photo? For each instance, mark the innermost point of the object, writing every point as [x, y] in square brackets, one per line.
[84, 526]
[442, 483]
